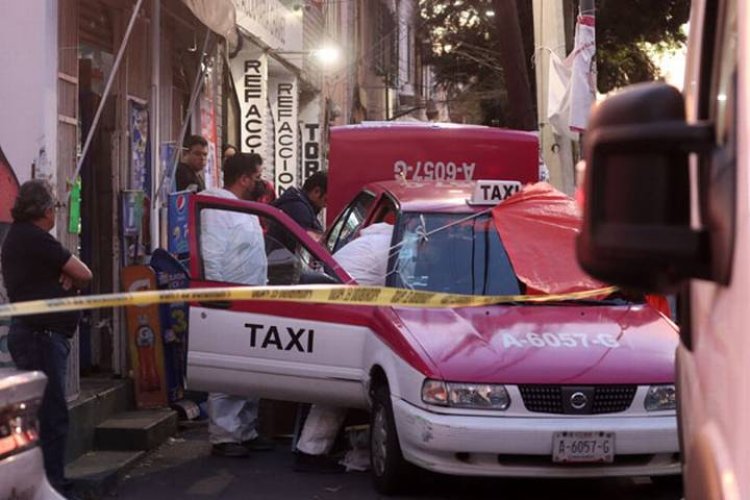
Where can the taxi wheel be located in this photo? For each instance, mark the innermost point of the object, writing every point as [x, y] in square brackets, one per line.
[668, 482]
[388, 465]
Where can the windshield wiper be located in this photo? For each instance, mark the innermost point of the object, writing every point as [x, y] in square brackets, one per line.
[610, 301]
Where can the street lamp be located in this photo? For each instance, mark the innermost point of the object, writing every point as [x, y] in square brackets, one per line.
[327, 55]
[326, 58]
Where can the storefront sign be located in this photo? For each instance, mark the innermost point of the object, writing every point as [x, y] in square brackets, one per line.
[177, 223]
[311, 133]
[285, 134]
[311, 149]
[250, 74]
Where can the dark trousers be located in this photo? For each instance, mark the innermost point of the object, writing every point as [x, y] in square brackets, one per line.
[46, 351]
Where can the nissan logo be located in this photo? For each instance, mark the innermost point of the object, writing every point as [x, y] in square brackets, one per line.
[578, 400]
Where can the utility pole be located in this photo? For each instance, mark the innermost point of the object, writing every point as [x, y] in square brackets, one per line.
[549, 36]
[158, 214]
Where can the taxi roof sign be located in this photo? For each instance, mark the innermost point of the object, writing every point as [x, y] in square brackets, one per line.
[493, 192]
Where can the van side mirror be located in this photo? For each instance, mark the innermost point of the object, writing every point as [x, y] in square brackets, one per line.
[637, 209]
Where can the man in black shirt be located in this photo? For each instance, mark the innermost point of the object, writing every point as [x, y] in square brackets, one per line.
[36, 266]
[189, 173]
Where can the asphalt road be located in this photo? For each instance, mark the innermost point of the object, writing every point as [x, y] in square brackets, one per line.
[184, 468]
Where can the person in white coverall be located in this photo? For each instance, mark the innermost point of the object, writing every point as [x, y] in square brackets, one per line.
[366, 260]
[234, 251]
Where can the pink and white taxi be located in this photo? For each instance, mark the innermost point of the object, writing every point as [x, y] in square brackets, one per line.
[570, 388]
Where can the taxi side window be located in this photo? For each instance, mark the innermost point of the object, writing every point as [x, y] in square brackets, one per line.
[385, 212]
[236, 247]
[351, 220]
[290, 262]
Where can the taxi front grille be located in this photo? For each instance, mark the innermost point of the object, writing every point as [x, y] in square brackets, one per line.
[598, 399]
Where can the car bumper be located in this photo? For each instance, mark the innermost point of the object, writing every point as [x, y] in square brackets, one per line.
[22, 476]
[522, 446]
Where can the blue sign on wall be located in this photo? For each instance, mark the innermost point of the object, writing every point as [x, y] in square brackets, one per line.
[177, 223]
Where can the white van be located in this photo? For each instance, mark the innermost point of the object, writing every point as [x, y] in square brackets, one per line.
[667, 209]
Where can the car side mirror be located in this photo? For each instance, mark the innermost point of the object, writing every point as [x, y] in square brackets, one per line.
[637, 229]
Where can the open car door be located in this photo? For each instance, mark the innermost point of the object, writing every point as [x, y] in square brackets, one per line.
[280, 350]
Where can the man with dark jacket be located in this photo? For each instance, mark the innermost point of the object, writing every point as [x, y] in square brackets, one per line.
[189, 173]
[303, 206]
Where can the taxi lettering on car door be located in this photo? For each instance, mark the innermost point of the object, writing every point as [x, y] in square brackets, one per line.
[305, 352]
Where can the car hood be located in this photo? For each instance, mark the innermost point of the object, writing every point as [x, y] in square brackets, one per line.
[540, 344]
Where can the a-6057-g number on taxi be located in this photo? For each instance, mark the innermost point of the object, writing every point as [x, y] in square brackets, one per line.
[433, 170]
[550, 339]
[583, 447]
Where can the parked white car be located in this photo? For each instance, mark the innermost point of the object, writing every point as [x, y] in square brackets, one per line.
[21, 466]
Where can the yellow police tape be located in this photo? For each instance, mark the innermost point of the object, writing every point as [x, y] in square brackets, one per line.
[320, 294]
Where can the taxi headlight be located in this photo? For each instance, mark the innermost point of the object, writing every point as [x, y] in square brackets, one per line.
[661, 397]
[434, 392]
[461, 395]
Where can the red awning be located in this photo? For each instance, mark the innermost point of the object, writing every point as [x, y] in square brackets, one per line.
[538, 227]
[8, 189]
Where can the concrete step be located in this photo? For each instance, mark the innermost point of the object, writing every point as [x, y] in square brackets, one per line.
[96, 473]
[99, 399]
[136, 430]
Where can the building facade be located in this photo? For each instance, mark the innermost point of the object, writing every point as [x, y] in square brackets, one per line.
[98, 95]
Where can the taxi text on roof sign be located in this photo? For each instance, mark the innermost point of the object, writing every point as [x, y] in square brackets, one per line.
[493, 192]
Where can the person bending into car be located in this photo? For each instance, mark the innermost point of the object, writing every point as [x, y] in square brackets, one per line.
[303, 206]
[234, 252]
[36, 266]
[366, 260]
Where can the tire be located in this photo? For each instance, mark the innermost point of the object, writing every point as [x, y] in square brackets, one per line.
[672, 482]
[388, 465]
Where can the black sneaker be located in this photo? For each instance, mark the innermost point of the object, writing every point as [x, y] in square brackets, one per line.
[233, 450]
[259, 443]
[320, 464]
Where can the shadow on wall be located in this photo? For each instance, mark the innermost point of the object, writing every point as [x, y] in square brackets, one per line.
[8, 193]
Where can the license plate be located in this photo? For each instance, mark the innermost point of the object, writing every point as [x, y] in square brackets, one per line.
[578, 447]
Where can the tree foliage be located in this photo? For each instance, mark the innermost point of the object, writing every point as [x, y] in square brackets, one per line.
[462, 43]
[624, 30]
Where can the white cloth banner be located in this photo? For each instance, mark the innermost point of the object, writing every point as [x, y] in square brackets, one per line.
[572, 83]
[250, 74]
[311, 131]
[285, 108]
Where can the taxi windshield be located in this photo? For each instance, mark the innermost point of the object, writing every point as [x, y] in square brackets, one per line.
[451, 253]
